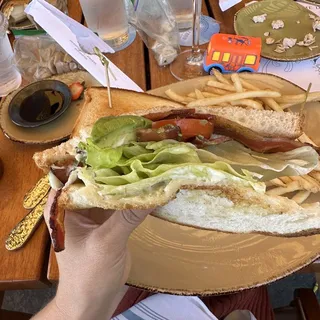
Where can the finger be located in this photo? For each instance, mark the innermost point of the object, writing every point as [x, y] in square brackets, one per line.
[122, 223]
[79, 224]
[128, 220]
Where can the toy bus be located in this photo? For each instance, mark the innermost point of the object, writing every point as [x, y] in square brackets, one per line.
[231, 53]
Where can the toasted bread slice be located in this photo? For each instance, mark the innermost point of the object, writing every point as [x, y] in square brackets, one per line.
[265, 122]
[224, 206]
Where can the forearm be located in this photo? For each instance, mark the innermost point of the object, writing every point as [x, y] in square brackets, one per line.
[50, 312]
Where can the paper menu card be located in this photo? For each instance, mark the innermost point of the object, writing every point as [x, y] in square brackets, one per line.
[227, 4]
[78, 41]
[299, 72]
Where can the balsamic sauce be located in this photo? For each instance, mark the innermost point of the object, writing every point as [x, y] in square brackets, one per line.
[41, 105]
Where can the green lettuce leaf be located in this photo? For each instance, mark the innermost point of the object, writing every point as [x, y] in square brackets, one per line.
[165, 175]
[106, 125]
[113, 132]
[101, 157]
[299, 161]
[143, 167]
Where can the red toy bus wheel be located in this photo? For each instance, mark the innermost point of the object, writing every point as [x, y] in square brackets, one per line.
[214, 68]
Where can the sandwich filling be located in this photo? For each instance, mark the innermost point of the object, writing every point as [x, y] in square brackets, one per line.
[130, 156]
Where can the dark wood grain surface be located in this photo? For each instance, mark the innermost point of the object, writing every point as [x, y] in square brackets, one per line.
[24, 268]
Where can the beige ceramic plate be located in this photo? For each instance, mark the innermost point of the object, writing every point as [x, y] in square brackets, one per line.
[54, 131]
[178, 259]
[289, 12]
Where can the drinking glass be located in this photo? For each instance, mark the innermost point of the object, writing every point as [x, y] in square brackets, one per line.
[108, 18]
[10, 78]
[183, 11]
[189, 63]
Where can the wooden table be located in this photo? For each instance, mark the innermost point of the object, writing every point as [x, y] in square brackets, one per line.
[31, 267]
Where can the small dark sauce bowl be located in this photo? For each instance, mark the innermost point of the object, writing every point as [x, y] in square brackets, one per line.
[36, 93]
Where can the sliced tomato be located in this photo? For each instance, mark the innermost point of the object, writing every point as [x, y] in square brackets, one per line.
[189, 127]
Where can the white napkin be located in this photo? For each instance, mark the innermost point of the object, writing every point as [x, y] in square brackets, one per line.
[171, 307]
[168, 307]
[77, 40]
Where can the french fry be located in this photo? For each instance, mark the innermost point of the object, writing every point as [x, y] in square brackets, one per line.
[279, 191]
[286, 180]
[248, 103]
[269, 102]
[216, 91]
[272, 104]
[315, 175]
[275, 182]
[237, 82]
[301, 196]
[199, 94]
[299, 98]
[209, 94]
[191, 95]
[233, 97]
[285, 105]
[177, 97]
[314, 182]
[219, 85]
[313, 205]
[295, 98]
[204, 93]
[248, 85]
[305, 184]
[220, 77]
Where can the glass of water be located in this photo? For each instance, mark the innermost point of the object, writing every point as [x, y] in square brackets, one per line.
[183, 11]
[189, 63]
[108, 18]
[10, 78]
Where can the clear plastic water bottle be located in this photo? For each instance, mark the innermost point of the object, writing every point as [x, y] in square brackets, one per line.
[10, 78]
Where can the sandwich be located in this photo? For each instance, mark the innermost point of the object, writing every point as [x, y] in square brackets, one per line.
[205, 167]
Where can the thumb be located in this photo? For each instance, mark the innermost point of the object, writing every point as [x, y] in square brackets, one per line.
[121, 224]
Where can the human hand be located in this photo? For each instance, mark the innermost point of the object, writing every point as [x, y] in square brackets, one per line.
[95, 264]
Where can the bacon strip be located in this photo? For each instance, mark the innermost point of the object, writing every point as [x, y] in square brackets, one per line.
[252, 140]
[56, 223]
[233, 130]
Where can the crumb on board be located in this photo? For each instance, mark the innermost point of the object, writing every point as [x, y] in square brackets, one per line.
[277, 24]
[259, 19]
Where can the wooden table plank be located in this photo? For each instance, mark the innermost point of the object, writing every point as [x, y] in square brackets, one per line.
[24, 268]
[225, 18]
[162, 76]
[131, 61]
[74, 10]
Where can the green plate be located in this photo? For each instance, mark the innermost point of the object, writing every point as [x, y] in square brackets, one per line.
[289, 12]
